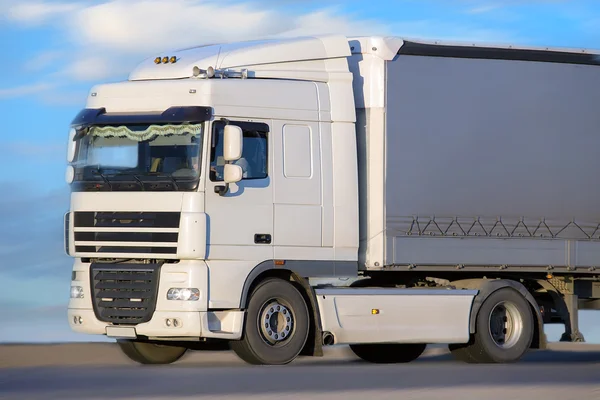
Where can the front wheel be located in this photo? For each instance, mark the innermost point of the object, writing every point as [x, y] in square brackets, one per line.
[388, 353]
[504, 330]
[151, 353]
[276, 326]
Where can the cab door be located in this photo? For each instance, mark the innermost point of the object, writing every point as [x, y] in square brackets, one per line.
[240, 222]
[301, 202]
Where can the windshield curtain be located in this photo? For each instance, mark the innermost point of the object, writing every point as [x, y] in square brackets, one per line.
[141, 153]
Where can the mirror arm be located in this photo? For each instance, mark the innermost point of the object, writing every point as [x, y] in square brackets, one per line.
[81, 132]
[221, 190]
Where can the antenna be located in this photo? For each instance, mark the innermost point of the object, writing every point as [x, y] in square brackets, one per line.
[218, 54]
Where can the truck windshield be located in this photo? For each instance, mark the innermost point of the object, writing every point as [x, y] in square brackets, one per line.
[139, 157]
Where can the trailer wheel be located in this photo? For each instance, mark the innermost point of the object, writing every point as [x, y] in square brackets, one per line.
[388, 353]
[503, 333]
[276, 325]
[151, 353]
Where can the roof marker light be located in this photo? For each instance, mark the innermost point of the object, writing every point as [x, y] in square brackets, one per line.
[157, 60]
[165, 60]
[173, 60]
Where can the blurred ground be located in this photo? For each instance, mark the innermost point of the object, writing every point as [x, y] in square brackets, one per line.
[99, 371]
[106, 354]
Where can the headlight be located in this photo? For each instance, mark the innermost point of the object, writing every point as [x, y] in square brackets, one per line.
[185, 294]
[69, 174]
[76, 292]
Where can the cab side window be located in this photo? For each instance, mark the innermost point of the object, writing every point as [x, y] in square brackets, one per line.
[254, 152]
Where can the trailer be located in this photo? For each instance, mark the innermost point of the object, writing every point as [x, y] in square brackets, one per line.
[219, 191]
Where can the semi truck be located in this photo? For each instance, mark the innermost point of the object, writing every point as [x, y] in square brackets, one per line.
[278, 196]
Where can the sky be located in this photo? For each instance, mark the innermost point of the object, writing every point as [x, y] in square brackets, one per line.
[53, 52]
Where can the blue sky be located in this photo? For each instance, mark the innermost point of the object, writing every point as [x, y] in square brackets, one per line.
[54, 51]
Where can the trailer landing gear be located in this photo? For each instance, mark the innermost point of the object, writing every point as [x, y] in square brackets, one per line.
[572, 333]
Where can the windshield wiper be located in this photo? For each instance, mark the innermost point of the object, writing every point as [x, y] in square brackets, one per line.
[170, 177]
[98, 173]
[136, 177]
[141, 180]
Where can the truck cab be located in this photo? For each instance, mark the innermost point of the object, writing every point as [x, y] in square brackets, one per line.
[207, 168]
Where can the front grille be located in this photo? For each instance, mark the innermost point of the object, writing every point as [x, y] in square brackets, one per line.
[124, 293]
[136, 233]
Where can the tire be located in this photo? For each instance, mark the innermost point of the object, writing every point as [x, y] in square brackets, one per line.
[209, 345]
[151, 353]
[388, 353]
[503, 331]
[460, 352]
[272, 335]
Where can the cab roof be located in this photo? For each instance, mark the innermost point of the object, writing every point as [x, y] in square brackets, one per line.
[304, 53]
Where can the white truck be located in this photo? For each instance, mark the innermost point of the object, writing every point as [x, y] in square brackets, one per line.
[220, 192]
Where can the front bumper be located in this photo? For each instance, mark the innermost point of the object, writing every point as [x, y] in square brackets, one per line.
[190, 324]
[169, 319]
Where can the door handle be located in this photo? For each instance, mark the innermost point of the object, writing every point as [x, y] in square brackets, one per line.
[262, 238]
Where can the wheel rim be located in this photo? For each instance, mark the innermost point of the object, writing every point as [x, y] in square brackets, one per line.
[276, 321]
[506, 324]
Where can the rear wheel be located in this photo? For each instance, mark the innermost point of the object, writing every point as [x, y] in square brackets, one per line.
[150, 352]
[504, 330]
[276, 326]
[388, 353]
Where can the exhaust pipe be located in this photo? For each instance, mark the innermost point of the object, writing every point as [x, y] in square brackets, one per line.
[328, 339]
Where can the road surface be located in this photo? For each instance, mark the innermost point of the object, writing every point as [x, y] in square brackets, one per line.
[98, 371]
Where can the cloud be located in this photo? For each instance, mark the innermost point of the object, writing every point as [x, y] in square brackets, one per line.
[431, 29]
[66, 97]
[38, 12]
[24, 90]
[150, 25]
[329, 21]
[486, 8]
[94, 67]
[43, 60]
[108, 38]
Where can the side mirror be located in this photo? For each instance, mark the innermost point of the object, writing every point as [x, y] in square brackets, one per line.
[232, 151]
[232, 173]
[232, 143]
